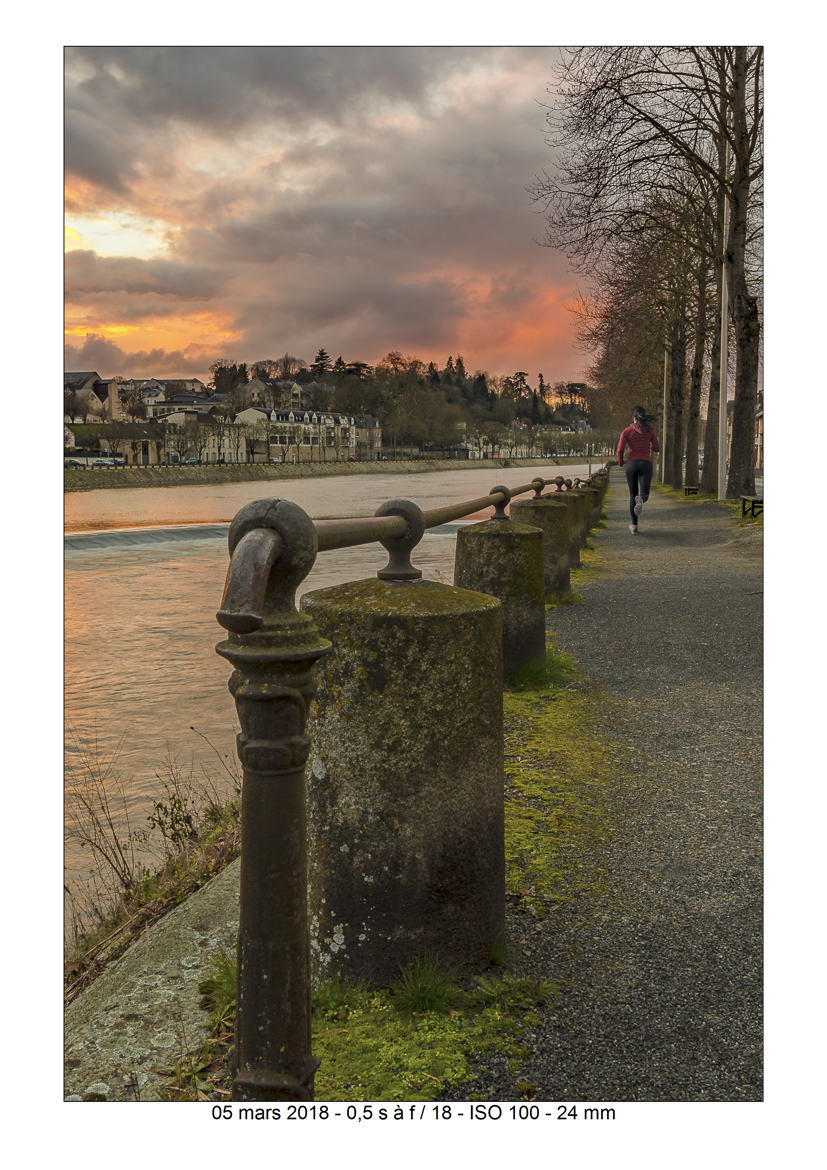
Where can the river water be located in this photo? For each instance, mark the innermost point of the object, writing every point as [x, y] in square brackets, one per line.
[144, 573]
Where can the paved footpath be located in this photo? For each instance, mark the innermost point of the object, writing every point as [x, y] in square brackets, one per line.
[663, 972]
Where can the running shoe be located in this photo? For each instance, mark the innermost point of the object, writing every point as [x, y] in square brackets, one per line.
[633, 529]
[638, 505]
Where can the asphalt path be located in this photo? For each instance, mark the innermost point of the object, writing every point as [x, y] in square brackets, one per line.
[663, 973]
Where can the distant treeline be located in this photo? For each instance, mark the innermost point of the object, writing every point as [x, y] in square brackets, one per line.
[420, 404]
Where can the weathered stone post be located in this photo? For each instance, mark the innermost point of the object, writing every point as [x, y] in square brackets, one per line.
[583, 492]
[551, 515]
[595, 495]
[273, 650]
[577, 524]
[505, 559]
[406, 784]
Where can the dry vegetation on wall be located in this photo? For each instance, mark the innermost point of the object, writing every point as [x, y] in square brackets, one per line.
[131, 477]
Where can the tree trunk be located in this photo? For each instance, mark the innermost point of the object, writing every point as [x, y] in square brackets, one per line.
[677, 393]
[694, 409]
[709, 473]
[741, 480]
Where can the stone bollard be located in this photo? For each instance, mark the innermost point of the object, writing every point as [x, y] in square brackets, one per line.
[574, 501]
[406, 783]
[594, 491]
[551, 515]
[505, 559]
[587, 503]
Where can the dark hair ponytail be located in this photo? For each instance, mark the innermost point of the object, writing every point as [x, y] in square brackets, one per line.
[645, 420]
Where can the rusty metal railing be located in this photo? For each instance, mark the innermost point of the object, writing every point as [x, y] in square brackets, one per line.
[398, 525]
[273, 649]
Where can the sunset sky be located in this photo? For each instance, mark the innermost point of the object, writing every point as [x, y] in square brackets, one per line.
[246, 202]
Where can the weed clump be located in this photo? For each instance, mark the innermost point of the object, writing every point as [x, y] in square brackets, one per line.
[552, 671]
[137, 874]
[424, 987]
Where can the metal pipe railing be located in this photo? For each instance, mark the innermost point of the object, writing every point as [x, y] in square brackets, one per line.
[398, 525]
[355, 530]
[273, 650]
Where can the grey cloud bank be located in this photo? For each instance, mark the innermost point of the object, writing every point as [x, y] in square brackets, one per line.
[363, 199]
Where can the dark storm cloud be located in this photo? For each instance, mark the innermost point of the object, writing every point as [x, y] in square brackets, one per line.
[431, 192]
[364, 199]
[314, 304]
[115, 95]
[105, 356]
[224, 87]
[88, 273]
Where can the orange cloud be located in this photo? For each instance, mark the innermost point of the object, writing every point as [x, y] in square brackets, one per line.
[202, 330]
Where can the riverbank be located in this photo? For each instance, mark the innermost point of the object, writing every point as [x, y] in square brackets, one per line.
[84, 480]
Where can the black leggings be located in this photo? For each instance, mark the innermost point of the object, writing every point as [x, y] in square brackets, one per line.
[639, 479]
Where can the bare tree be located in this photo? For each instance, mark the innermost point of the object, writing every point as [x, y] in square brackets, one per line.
[633, 122]
[197, 438]
[133, 404]
[289, 366]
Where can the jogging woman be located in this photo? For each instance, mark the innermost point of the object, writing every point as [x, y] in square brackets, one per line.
[641, 441]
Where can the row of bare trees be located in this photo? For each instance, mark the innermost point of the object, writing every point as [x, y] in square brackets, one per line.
[656, 149]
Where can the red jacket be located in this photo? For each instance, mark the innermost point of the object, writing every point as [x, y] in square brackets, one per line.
[641, 443]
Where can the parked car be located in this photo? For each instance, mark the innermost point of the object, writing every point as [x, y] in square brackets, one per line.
[73, 463]
[189, 462]
[275, 458]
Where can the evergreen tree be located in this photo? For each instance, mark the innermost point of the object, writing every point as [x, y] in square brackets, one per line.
[321, 363]
[479, 389]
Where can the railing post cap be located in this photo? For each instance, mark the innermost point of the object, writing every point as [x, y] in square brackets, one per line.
[399, 567]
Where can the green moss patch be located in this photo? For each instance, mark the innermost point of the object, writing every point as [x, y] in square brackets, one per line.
[551, 671]
[374, 1050]
[593, 563]
[569, 597]
[376, 1045]
[732, 506]
[560, 772]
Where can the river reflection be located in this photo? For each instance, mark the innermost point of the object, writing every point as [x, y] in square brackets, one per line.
[143, 683]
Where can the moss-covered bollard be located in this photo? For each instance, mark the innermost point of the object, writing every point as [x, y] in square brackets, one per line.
[595, 494]
[574, 501]
[406, 783]
[551, 515]
[584, 493]
[505, 560]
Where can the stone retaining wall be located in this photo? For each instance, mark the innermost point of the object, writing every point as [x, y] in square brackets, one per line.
[80, 480]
